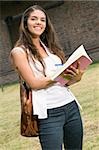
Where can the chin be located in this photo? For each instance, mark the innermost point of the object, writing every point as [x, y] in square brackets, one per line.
[34, 35]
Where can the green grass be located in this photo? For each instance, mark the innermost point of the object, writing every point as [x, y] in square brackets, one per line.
[86, 91]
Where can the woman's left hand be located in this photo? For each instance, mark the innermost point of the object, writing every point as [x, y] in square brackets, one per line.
[75, 74]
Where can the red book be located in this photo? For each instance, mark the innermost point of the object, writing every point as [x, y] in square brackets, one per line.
[80, 55]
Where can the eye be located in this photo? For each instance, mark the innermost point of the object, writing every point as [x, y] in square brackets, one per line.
[33, 19]
[43, 20]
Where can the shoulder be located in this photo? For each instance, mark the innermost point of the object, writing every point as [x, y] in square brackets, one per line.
[18, 54]
[17, 50]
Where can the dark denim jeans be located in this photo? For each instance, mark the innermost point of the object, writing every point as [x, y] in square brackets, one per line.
[63, 126]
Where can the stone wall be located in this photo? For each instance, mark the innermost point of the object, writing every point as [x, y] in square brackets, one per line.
[6, 73]
[77, 23]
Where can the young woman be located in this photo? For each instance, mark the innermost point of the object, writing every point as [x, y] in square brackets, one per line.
[58, 113]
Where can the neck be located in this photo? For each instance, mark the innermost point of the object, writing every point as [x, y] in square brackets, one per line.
[36, 41]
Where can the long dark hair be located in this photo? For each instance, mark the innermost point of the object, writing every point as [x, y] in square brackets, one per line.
[48, 36]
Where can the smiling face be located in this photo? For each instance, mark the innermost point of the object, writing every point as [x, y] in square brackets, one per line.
[36, 23]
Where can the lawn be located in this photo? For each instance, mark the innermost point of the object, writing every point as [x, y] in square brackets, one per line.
[87, 92]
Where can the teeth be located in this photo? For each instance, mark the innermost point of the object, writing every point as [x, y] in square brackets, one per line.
[38, 28]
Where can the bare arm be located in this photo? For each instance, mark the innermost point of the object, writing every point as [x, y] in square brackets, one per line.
[19, 60]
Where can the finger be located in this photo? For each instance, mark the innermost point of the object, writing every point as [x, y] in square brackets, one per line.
[78, 71]
[73, 68]
[78, 65]
[72, 72]
[79, 68]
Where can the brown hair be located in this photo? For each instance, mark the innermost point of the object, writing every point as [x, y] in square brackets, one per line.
[48, 36]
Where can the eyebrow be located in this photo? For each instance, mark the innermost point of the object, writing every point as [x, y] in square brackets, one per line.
[37, 17]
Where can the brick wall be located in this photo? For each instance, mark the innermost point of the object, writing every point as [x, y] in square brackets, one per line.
[75, 22]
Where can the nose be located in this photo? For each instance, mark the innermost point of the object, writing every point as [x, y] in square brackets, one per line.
[38, 21]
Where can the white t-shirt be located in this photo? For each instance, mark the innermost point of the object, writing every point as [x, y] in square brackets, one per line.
[56, 95]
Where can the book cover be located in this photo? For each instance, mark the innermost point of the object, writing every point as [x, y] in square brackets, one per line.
[80, 55]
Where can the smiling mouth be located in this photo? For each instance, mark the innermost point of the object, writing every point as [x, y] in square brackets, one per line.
[38, 28]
